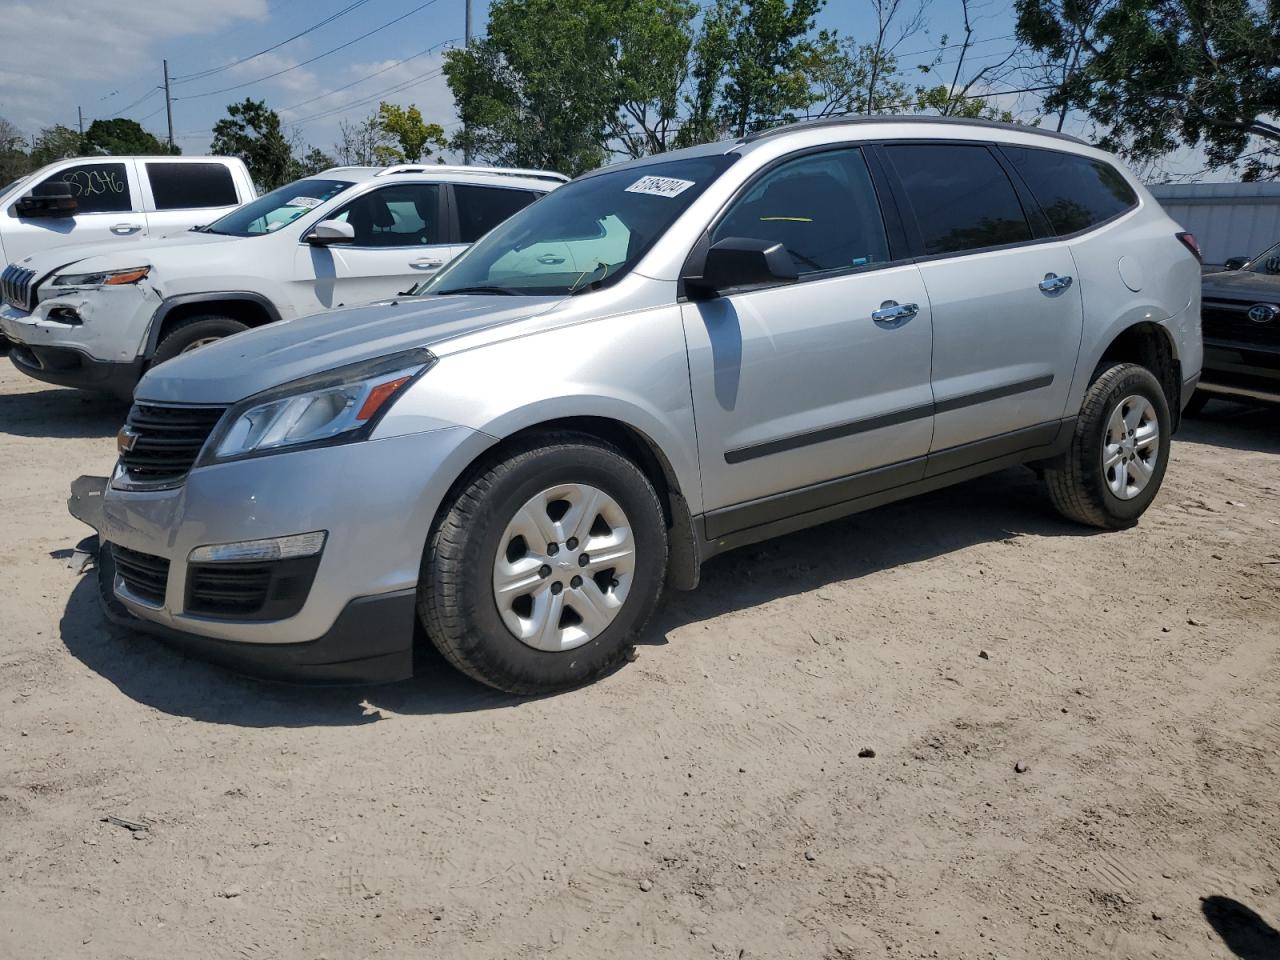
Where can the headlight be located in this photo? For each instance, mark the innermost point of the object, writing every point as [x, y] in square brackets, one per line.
[333, 407]
[103, 278]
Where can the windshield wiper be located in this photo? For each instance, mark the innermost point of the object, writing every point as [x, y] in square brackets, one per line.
[502, 291]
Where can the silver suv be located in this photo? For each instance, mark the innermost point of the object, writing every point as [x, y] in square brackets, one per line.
[659, 361]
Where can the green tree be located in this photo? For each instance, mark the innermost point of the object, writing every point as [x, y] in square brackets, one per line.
[648, 66]
[253, 133]
[55, 143]
[415, 136]
[121, 137]
[1159, 74]
[309, 164]
[15, 162]
[768, 52]
[710, 59]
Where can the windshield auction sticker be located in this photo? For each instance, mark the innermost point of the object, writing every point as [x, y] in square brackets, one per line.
[660, 186]
[308, 202]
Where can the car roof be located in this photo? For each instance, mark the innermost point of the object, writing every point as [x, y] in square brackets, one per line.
[541, 180]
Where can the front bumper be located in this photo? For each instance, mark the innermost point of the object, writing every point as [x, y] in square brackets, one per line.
[107, 325]
[376, 499]
[1249, 371]
[68, 367]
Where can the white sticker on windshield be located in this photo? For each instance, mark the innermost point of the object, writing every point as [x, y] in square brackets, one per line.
[308, 202]
[660, 186]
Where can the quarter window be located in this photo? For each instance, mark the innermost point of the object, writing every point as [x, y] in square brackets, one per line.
[190, 186]
[1074, 192]
[406, 215]
[98, 187]
[961, 197]
[480, 209]
[821, 207]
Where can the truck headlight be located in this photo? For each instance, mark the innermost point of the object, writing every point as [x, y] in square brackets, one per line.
[102, 278]
[337, 406]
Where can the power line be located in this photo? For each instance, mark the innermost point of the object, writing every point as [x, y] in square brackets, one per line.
[343, 46]
[334, 111]
[276, 46]
[369, 76]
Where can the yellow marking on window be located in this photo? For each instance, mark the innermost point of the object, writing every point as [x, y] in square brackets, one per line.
[787, 219]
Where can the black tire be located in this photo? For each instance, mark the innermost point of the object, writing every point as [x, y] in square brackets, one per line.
[1195, 406]
[455, 595]
[191, 330]
[1076, 480]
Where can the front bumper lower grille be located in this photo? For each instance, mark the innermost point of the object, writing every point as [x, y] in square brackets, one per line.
[145, 576]
[273, 590]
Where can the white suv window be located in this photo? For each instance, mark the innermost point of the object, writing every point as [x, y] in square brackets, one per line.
[404, 215]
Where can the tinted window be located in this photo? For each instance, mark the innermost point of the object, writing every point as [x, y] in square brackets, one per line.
[822, 208]
[1074, 192]
[98, 187]
[406, 215]
[186, 186]
[480, 209]
[961, 196]
[278, 208]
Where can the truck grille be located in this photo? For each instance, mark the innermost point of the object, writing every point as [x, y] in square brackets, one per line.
[144, 576]
[17, 288]
[1229, 320]
[165, 441]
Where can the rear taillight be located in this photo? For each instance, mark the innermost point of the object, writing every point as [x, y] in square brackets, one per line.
[1189, 242]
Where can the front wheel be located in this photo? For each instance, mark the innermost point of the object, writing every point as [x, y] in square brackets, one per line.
[541, 572]
[192, 333]
[1118, 455]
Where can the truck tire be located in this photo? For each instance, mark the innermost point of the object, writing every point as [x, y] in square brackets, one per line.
[191, 333]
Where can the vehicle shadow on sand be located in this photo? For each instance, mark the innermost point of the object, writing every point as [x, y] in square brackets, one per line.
[999, 507]
[45, 411]
[1239, 426]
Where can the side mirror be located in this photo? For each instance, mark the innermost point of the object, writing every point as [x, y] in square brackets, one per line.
[740, 263]
[53, 198]
[331, 231]
[1234, 263]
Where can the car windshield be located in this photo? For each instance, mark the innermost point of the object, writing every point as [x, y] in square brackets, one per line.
[1268, 261]
[269, 213]
[582, 236]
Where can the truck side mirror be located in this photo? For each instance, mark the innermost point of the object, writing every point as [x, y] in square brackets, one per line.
[1234, 263]
[53, 198]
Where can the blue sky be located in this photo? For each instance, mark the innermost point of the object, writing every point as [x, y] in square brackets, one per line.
[110, 62]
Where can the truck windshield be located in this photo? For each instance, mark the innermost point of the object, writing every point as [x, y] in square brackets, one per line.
[269, 213]
[582, 236]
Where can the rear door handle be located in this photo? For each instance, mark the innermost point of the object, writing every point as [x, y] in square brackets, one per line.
[1052, 283]
[550, 259]
[426, 264]
[892, 313]
[126, 227]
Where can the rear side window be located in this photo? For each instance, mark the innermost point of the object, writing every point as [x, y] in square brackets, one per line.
[189, 186]
[480, 209]
[961, 197]
[98, 187]
[1074, 192]
[821, 207]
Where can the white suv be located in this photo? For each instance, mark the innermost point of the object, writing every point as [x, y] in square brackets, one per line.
[97, 318]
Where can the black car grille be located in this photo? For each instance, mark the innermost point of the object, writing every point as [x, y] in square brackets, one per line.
[17, 288]
[144, 576]
[165, 441]
[272, 590]
[1229, 320]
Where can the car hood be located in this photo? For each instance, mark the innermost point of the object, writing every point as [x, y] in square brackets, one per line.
[1241, 285]
[114, 255]
[287, 350]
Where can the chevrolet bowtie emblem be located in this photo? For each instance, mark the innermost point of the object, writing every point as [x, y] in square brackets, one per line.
[126, 439]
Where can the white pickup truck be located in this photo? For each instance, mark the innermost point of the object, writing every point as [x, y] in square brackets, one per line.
[116, 200]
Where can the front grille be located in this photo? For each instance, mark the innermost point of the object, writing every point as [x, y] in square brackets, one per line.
[1229, 320]
[165, 441]
[273, 590]
[144, 576]
[17, 288]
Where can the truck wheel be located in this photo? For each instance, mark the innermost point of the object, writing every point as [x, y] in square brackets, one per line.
[191, 333]
[1118, 455]
[542, 570]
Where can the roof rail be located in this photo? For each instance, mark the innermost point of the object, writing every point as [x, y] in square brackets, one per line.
[448, 168]
[853, 119]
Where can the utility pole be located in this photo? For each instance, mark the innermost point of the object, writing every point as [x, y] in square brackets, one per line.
[466, 151]
[80, 117]
[168, 104]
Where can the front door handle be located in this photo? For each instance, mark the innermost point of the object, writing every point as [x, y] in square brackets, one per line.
[1052, 283]
[426, 264]
[892, 313]
[126, 228]
[550, 259]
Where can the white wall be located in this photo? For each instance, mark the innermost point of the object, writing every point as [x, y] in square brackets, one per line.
[1228, 219]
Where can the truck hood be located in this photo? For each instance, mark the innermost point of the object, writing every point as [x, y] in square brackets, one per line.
[1241, 285]
[277, 353]
[114, 255]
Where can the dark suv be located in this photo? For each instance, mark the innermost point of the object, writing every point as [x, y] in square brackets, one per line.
[1241, 324]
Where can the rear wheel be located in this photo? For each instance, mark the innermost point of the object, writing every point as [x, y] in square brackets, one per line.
[1118, 454]
[544, 568]
[191, 333]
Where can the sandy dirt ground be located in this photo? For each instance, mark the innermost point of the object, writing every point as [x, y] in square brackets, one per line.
[709, 799]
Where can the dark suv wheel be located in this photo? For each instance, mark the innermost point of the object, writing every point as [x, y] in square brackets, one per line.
[191, 333]
[542, 570]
